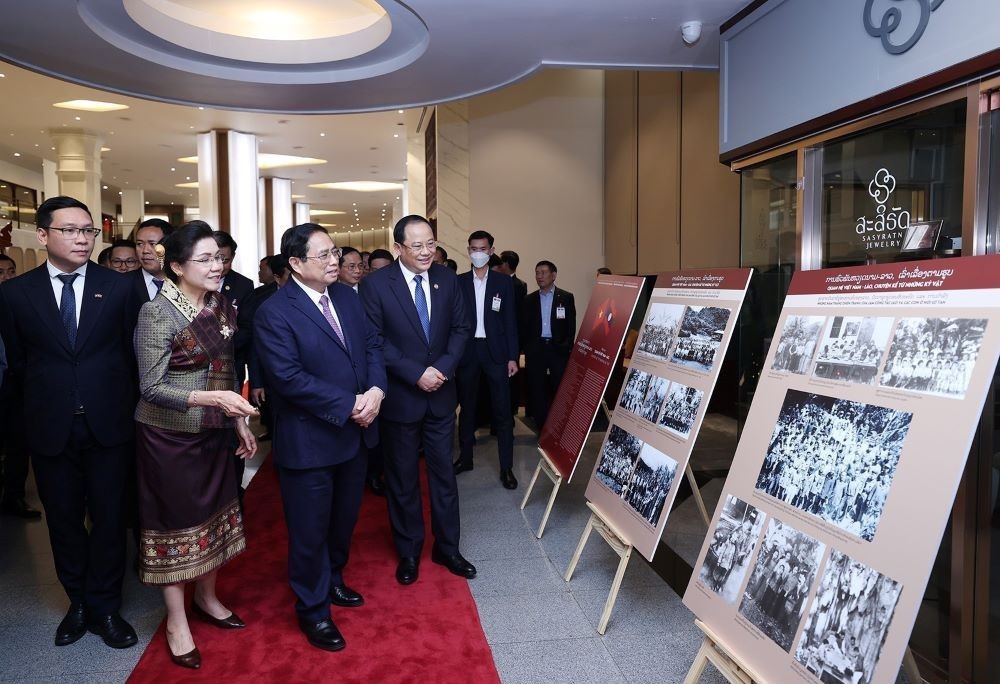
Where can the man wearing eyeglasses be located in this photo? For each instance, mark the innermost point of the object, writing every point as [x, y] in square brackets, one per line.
[351, 268]
[419, 310]
[124, 257]
[68, 329]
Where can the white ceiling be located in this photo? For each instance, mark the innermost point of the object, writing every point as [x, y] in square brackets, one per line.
[437, 50]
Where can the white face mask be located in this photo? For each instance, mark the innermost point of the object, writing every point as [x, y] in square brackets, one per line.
[479, 259]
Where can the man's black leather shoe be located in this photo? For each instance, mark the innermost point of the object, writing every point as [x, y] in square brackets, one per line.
[462, 466]
[19, 508]
[73, 626]
[377, 485]
[115, 632]
[345, 597]
[456, 564]
[408, 570]
[507, 478]
[323, 634]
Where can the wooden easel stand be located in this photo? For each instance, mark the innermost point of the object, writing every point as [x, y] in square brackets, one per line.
[544, 466]
[618, 543]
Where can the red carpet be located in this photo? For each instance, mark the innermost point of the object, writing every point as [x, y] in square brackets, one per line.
[427, 632]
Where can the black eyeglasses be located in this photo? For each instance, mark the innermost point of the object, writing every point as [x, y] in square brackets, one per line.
[124, 262]
[73, 233]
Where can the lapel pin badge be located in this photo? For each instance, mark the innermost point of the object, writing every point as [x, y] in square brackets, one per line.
[98, 295]
[435, 286]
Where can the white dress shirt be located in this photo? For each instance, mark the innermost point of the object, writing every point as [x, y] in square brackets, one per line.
[410, 283]
[150, 285]
[57, 286]
[315, 296]
[479, 285]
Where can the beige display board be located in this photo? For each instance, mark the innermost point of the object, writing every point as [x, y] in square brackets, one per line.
[829, 522]
[674, 367]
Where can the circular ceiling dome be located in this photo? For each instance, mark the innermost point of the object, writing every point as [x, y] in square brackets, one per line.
[293, 31]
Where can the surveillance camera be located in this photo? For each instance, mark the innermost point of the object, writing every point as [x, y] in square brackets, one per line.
[691, 32]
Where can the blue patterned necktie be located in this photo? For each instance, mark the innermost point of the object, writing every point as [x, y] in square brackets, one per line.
[158, 282]
[67, 306]
[420, 299]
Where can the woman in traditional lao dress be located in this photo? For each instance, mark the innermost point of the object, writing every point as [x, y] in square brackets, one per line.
[189, 509]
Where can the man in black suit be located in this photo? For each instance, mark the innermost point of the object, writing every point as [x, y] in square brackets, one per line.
[235, 286]
[509, 260]
[68, 329]
[419, 311]
[148, 279]
[549, 325]
[323, 361]
[492, 352]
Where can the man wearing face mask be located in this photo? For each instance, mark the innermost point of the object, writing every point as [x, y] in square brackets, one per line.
[492, 351]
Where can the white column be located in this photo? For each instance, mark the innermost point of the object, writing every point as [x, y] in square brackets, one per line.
[50, 178]
[414, 194]
[133, 209]
[453, 213]
[281, 209]
[78, 166]
[208, 190]
[302, 212]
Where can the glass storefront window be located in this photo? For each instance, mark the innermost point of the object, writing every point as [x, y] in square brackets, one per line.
[895, 193]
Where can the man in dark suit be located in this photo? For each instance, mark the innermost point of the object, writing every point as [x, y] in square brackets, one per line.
[234, 285]
[148, 279]
[509, 260]
[323, 363]
[492, 351]
[549, 325]
[68, 329]
[419, 311]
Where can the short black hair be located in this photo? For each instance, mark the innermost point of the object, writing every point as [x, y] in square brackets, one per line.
[224, 239]
[452, 264]
[104, 258]
[278, 265]
[511, 258]
[263, 259]
[6, 257]
[344, 251]
[295, 240]
[399, 230]
[480, 235]
[366, 253]
[164, 226]
[179, 245]
[123, 243]
[604, 270]
[380, 254]
[494, 261]
[43, 216]
[442, 251]
[545, 262]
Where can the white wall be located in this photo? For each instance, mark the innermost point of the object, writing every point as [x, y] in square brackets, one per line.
[537, 174]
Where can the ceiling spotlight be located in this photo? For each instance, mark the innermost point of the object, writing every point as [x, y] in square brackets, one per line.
[322, 135]
[201, 108]
[104, 187]
[17, 154]
[400, 111]
[147, 201]
[359, 186]
[395, 135]
[172, 168]
[90, 106]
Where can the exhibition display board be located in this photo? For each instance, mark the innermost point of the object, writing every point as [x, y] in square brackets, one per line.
[831, 517]
[600, 338]
[673, 370]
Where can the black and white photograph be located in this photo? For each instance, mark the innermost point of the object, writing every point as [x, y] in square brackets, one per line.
[635, 390]
[934, 355]
[776, 593]
[852, 348]
[651, 481]
[834, 459]
[733, 540]
[848, 621]
[653, 401]
[680, 409]
[797, 343]
[700, 336]
[660, 331]
[618, 457]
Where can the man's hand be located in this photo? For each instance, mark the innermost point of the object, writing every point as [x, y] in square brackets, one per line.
[431, 380]
[257, 396]
[511, 368]
[366, 406]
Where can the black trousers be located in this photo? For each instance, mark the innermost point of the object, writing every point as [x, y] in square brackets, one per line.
[14, 453]
[86, 479]
[468, 395]
[544, 368]
[401, 442]
[321, 509]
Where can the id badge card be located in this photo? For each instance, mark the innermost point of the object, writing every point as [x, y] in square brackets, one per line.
[561, 312]
[496, 302]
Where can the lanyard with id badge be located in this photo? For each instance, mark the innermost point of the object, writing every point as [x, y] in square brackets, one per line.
[496, 302]
[561, 312]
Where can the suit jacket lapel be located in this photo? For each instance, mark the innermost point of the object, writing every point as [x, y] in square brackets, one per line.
[44, 302]
[401, 289]
[437, 303]
[95, 289]
[340, 307]
[304, 304]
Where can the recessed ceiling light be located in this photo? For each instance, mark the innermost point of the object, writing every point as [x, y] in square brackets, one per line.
[325, 212]
[3, 75]
[172, 168]
[201, 108]
[105, 149]
[187, 185]
[322, 135]
[17, 154]
[76, 118]
[147, 201]
[400, 111]
[266, 160]
[298, 196]
[395, 135]
[119, 192]
[90, 106]
[104, 187]
[359, 186]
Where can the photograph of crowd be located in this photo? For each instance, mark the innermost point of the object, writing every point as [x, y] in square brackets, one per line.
[653, 401]
[934, 355]
[700, 335]
[852, 348]
[797, 343]
[733, 540]
[618, 457]
[651, 481]
[834, 459]
[635, 390]
[848, 621]
[661, 330]
[680, 409]
[776, 593]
